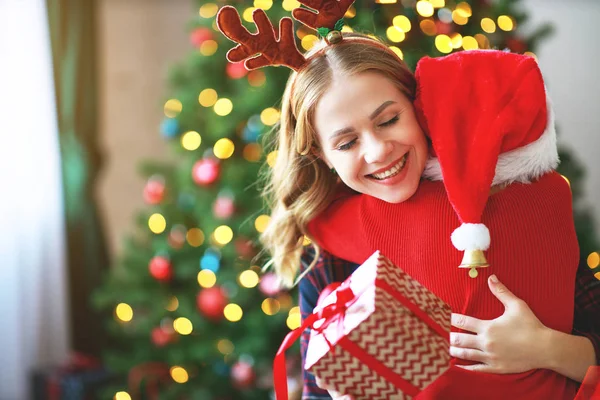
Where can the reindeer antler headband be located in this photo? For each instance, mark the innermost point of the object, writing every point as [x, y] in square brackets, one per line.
[280, 49]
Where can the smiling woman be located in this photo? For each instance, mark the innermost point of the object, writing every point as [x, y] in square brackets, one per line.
[349, 108]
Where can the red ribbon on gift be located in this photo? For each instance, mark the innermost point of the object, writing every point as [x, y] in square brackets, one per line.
[76, 362]
[590, 387]
[153, 372]
[335, 312]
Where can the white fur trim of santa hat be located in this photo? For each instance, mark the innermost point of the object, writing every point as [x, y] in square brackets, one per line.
[523, 164]
[471, 237]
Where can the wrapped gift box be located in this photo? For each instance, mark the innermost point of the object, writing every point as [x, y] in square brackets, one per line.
[381, 335]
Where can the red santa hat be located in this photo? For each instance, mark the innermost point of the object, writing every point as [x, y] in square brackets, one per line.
[490, 123]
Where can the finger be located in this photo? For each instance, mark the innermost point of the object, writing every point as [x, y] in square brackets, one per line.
[468, 354]
[478, 368]
[501, 291]
[465, 340]
[467, 323]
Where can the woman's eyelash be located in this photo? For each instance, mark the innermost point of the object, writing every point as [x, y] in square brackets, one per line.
[348, 146]
[391, 121]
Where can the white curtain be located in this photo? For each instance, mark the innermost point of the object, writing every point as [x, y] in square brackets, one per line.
[33, 285]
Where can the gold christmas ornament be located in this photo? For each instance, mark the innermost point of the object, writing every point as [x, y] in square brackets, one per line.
[474, 259]
[334, 37]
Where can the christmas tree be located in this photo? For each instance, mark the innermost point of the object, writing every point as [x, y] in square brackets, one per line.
[193, 316]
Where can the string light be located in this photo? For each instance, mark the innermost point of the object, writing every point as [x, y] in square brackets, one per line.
[256, 78]
[223, 235]
[173, 304]
[172, 108]
[195, 237]
[397, 51]
[209, 47]
[157, 223]
[179, 374]
[308, 41]
[402, 22]
[531, 54]
[252, 152]
[289, 5]
[469, 43]
[122, 396]
[183, 326]
[225, 346]
[437, 3]
[206, 278]
[191, 140]
[506, 23]
[223, 107]
[248, 279]
[457, 40]
[482, 41]
[395, 34]
[271, 157]
[443, 43]
[351, 13]
[294, 319]
[458, 18]
[346, 28]
[247, 14]
[488, 25]
[385, 1]
[270, 116]
[124, 312]
[262, 222]
[223, 148]
[208, 97]
[593, 260]
[233, 312]
[208, 10]
[428, 27]
[270, 306]
[464, 10]
[264, 4]
[425, 8]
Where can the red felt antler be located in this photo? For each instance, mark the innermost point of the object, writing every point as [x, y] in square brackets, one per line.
[273, 50]
[328, 12]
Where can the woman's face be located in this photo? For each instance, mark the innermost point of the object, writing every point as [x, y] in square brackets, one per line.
[369, 133]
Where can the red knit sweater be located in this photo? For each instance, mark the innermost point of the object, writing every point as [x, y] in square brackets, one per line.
[534, 251]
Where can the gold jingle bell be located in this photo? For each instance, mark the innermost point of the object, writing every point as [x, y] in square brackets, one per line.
[334, 37]
[473, 259]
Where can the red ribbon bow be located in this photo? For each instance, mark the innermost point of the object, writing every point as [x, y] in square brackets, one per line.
[330, 313]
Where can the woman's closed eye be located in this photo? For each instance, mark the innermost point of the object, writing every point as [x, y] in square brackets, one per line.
[350, 144]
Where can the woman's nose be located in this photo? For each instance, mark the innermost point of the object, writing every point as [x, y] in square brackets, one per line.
[377, 150]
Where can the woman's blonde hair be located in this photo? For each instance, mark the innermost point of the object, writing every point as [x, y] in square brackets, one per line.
[300, 185]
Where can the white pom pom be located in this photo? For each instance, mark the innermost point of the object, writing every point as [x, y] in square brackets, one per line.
[471, 237]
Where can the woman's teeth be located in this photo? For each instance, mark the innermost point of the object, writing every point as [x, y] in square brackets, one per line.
[392, 171]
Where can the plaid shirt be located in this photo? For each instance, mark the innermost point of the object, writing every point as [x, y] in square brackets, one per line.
[332, 269]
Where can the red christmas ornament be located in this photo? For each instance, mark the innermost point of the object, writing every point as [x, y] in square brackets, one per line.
[516, 45]
[154, 191]
[245, 248]
[269, 284]
[200, 35]
[211, 302]
[443, 28]
[242, 375]
[160, 268]
[161, 337]
[236, 70]
[205, 171]
[223, 207]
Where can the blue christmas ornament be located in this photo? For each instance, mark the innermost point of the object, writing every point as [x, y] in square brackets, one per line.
[211, 260]
[221, 368]
[169, 128]
[254, 123]
[250, 135]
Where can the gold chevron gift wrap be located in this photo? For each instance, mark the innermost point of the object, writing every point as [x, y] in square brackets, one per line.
[386, 338]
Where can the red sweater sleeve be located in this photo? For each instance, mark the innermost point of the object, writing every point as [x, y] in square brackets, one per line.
[340, 230]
